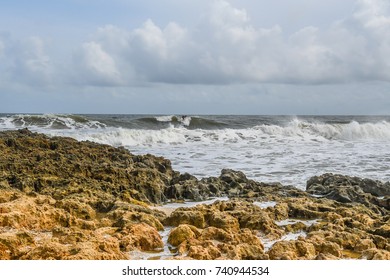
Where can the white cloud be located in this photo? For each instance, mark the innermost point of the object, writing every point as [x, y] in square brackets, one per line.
[36, 62]
[226, 16]
[99, 67]
[375, 17]
[374, 14]
[114, 39]
[225, 47]
[151, 39]
[26, 61]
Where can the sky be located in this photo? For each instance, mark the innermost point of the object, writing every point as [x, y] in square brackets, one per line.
[301, 57]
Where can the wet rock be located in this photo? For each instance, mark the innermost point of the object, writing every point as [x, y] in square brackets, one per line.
[348, 189]
[232, 177]
[190, 189]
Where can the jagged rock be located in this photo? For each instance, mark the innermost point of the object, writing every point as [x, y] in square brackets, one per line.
[185, 216]
[205, 250]
[15, 243]
[328, 249]
[127, 218]
[324, 257]
[245, 252]
[383, 231]
[280, 211]
[348, 189]
[190, 189]
[47, 251]
[375, 254]
[292, 250]
[329, 180]
[182, 233]
[224, 221]
[62, 166]
[140, 236]
[217, 234]
[261, 222]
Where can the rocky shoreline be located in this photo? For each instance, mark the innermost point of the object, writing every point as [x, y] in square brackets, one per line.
[64, 199]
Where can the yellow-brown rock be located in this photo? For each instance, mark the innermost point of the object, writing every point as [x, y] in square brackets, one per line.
[182, 233]
[376, 254]
[140, 236]
[184, 216]
[292, 250]
[206, 250]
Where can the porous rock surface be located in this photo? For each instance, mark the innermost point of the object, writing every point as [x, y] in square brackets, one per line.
[65, 199]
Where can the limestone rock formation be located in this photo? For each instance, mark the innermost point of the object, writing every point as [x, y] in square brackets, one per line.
[65, 199]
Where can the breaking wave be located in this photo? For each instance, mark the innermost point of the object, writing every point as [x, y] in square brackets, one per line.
[183, 129]
[48, 122]
[334, 131]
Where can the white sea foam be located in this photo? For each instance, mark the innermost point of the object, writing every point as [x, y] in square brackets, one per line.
[293, 221]
[185, 120]
[170, 207]
[268, 243]
[348, 131]
[265, 204]
[165, 118]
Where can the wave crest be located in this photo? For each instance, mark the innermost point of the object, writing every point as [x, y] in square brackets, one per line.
[184, 129]
[191, 122]
[48, 121]
[336, 131]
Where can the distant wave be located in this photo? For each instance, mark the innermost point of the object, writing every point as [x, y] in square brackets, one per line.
[190, 122]
[48, 121]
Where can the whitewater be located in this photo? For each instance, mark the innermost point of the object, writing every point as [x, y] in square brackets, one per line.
[286, 149]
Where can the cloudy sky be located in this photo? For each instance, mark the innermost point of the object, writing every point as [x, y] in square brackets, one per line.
[195, 57]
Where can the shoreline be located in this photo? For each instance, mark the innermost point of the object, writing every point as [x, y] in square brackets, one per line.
[65, 199]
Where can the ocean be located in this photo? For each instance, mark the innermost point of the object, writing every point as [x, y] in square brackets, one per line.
[286, 149]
